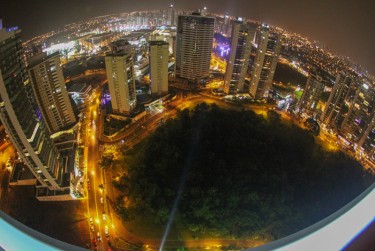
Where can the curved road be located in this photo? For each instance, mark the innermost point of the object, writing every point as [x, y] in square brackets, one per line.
[119, 235]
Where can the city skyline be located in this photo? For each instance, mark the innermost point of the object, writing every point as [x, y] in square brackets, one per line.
[121, 58]
[351, 23]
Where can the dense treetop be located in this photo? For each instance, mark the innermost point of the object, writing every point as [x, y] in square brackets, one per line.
[239, 174]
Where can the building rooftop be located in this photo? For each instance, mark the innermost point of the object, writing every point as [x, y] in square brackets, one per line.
[39, 58]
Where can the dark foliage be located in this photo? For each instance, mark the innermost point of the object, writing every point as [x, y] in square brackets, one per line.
[286, 74]
[114, 125]
[244, 175]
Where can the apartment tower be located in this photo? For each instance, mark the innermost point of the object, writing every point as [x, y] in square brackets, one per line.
[21, 117]
[333, 114]
[49, 89]
[159, 57]
[121, 81]
[241, 43]
[194, 44]
[265, 63]
[359, 123]
[311, 94]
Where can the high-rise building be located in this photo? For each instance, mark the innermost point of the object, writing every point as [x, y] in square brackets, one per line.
[159, 57]
[171, 16]
[360, 121]
[20, 117]
[226, 26]
[242, 36]
[367, 141]
[121, 81]
[265, 63]
[311, 94]
[194, 44]
[204, 11]
[49, 89]
[332, 115]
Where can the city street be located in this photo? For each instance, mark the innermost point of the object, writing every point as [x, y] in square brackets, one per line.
[101, 227]
[119, 235]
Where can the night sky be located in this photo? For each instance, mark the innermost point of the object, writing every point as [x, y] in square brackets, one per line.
[345, 26]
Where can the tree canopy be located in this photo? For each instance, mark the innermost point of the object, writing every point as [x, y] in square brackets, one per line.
[239, 175]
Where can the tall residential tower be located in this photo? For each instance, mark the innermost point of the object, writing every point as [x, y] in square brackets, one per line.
[265, 63]
[121, 81]
[171, 16]
[194, 44]
[360, 121]
[311, 94]
[332, 115]
[159, 57]
[21, 117]
[48, 84]
[242, 37]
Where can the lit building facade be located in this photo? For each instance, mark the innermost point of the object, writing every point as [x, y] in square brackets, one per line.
[121, 81]
[171, 16]
[358, 125]
[367, 142]
[311, 95]
[226, 26]
[49, 89]
[204, 11]
[241, 43]
[332, 116]
[194, 44]
[21, 118]
[159, 57]
[265, 63]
